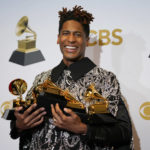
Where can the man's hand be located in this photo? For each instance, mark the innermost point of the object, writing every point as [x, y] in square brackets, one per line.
[71, 123]
[29, 119]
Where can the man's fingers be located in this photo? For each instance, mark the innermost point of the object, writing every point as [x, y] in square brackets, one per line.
[34, 114]
[37, 123]
[36, 119]
[30, 109]
[59, 111]
[55, 114]
[17, 113]
[17, 109]
[31, 120]
[69, 111]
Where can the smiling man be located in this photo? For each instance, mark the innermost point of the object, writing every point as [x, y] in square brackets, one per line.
[73, 41]
[66, 129]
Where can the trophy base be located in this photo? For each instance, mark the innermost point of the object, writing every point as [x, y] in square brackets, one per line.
[9, 114]
[24, 59]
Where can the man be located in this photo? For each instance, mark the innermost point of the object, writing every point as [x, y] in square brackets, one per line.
[66, 130]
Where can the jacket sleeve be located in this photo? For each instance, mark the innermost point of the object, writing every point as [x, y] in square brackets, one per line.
[118, 132]
[14, 134]
[112, 134]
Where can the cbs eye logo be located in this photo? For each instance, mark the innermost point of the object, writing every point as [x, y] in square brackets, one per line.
[145, 110]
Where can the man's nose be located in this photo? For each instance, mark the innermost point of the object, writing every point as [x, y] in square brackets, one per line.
[71, 38]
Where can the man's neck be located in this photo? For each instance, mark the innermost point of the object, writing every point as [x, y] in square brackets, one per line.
[69, 62]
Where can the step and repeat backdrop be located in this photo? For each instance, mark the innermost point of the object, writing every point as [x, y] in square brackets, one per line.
[119, 42]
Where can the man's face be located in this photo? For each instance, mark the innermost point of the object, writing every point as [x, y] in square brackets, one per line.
[73, 41]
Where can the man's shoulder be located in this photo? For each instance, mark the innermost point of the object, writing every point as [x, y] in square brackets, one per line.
[41, 77]
[44, 73]
[103, 72]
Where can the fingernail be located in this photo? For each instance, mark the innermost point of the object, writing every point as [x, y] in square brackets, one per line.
[42, 108]
[65, 109]
[20, 107]
[35, 105]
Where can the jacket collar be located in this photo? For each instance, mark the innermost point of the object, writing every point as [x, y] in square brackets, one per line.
[78, 69]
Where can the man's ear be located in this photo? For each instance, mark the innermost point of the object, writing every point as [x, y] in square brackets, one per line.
[58, 39]
[87, 41]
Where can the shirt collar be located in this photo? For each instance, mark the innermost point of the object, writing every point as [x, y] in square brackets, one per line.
[78, 69]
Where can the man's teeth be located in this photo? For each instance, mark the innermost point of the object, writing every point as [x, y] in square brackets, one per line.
[70, 47]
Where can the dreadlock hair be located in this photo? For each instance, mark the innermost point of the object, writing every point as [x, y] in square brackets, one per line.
[77, 14]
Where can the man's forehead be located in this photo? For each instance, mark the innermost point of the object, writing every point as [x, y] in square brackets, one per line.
[72, 25]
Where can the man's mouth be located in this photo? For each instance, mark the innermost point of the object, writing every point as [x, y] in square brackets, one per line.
[71, 48]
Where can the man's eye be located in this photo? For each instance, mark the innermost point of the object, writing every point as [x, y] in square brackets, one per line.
[78, 34]
[65, 33]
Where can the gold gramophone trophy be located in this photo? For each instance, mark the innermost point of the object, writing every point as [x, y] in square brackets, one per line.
[27, 53]
[48, 93]
[17, 87]
[97, 104]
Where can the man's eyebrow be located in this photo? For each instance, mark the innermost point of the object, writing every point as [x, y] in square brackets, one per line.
[76, 31]
[65, 31]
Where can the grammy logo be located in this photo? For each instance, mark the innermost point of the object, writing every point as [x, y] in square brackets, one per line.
[27, 53]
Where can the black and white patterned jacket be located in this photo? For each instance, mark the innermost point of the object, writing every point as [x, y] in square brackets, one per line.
[105, 136]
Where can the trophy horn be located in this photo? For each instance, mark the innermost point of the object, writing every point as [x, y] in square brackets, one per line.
[100, 105]
[22, 27]
[18, 87]
[92, 94]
